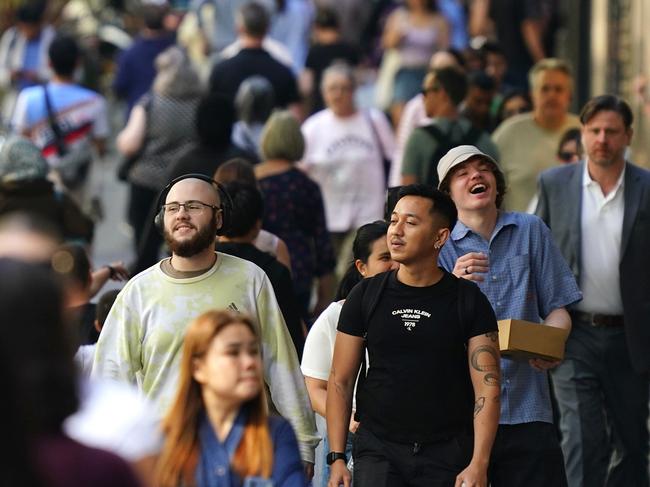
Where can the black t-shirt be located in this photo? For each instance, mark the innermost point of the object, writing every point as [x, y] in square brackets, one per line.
[227, 75]
[508, 16]
[418, 387]
[320, 57]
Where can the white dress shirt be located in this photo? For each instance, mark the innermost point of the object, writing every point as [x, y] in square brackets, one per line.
[601, 223]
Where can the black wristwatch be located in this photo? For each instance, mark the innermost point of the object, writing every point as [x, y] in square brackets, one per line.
[334, 456]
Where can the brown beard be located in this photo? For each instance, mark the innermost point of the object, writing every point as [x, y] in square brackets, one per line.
[203, 239]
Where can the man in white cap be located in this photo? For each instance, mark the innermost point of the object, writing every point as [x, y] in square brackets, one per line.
[512, 258]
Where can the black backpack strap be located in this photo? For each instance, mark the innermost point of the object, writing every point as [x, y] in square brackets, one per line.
[446, 141]
[372, 292]
[437, 134]
[472, 136]
[374, 288]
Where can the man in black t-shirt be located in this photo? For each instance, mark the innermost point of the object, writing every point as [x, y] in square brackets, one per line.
[431, 342]
[328, 48]
[252, 25]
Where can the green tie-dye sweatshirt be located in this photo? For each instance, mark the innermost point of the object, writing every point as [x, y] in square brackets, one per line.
[141, 342]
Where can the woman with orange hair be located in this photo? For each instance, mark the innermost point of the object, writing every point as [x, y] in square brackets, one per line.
[218, 430]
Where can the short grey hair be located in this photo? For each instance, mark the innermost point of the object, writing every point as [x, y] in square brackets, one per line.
[176, 76]
[549, 64]
[340, 69]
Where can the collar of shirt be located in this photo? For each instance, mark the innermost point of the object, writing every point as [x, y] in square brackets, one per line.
[592, 185]
[214, 469]
[504, 219]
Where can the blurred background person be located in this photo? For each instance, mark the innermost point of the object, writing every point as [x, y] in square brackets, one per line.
[67, 121]
[24, 187]
[254, 103]
[135, 66]
[291, 25]
[371, 257]
[513, 102]
[348, 152]
[40, 379]
[253, 22]
[444, 90]
[528, 142]
[414, 113]
[23, 53]
[241, 170]
[215, 116]
[83, 283]
[570, 147]
[218, 426]
[86, 353]
[415, 30]
[162, 133]
[327, 48]
[478, 100]
[526, 31]
[239, 240]
[295, 212]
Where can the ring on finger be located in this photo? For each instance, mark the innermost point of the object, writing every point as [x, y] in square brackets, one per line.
[467, 270]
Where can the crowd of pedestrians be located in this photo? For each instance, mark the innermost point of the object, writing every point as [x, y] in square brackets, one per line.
[318, 272]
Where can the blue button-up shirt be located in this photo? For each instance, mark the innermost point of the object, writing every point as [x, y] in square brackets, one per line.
[527, 279]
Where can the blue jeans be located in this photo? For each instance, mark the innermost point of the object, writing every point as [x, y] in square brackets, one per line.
[325, 471]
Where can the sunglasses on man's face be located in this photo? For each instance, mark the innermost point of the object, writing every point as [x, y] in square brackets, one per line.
[567, 156]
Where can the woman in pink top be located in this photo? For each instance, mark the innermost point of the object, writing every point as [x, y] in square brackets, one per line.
[416, 31]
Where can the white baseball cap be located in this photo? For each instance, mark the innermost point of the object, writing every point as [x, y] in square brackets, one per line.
[458, 155]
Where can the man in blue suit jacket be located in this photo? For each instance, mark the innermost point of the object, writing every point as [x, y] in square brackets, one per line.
[598, 211]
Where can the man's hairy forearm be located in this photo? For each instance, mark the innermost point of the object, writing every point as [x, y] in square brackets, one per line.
[338, 409]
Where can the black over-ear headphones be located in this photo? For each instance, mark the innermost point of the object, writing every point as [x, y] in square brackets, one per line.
[224, 197]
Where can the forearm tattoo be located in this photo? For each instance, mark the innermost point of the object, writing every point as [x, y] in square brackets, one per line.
[491, 378]
[478, 405]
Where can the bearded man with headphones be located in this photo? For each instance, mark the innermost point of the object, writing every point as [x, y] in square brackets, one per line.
[143, 334]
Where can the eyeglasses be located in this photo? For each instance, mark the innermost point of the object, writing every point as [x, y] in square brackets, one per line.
[192, 207]
[567, 156]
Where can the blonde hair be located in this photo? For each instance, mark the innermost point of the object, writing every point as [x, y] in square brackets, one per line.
[180, 454]
[282, 138]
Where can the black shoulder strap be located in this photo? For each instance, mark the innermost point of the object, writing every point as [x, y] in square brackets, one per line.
[435, 132]
[446, 141]
[58, 133]
[472, 136]
[372, 294]
[373, 290]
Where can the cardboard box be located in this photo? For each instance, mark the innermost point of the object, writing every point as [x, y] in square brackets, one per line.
[521, 339]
